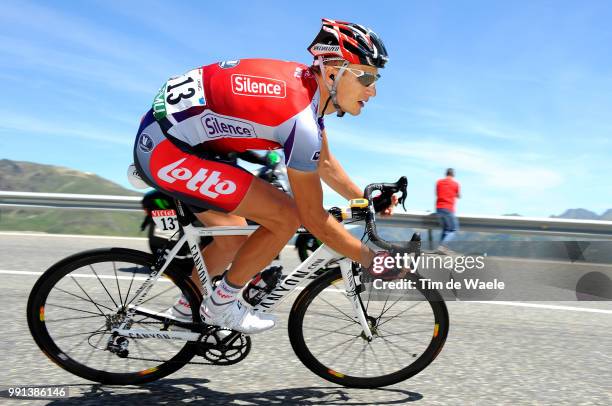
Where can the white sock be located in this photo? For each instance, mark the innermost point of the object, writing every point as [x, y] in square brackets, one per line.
[224, 294]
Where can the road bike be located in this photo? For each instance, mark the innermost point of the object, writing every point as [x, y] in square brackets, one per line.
[100, 314]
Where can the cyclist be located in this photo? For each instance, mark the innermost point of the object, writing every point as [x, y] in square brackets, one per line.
[208, 113]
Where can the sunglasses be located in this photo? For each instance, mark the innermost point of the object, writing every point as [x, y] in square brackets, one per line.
[365, 78]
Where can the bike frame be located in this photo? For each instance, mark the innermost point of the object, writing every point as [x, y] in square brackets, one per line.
[311, 267]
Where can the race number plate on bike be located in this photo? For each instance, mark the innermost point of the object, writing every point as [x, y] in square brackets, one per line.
[165, 219]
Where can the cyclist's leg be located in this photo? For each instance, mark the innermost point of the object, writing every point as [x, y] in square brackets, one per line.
[216, 187]
[220, 252]
[276, 212]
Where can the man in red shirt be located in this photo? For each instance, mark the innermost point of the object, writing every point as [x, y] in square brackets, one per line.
[447, 190]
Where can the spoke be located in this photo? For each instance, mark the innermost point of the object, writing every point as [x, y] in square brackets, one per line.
[400, 313]
[389, 348]
[117, 280]
[151, 298]
[335, 307]
[389, 308]
[90, 299]
[378, 363]
[127, 295]
[405, 333]
[94, 349]
[418, 302]
[383, 309]
[159, 294]
[72, 308]
[85, 339]
[73, 318]
[357, 356]
[333, 317]
[333, 331]
[368, 301]
[343, 351]
[82, 298]
[405, 350]
[103, 285]
[335, 346]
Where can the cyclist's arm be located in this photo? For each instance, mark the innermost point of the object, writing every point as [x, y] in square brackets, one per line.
[334, 175]
[308, 195]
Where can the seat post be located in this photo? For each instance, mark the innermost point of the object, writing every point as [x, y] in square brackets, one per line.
[184, 214]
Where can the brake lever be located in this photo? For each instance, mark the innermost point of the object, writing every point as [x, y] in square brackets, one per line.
[402, 200]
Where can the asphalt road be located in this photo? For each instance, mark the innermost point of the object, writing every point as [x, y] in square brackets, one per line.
[496, 353]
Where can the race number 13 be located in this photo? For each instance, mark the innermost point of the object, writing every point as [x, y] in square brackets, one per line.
[165, 219]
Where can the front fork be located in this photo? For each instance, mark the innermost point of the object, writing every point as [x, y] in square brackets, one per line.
[353, 295]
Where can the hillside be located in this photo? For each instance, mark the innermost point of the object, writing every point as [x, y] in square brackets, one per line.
[580, 214]
[32, 177]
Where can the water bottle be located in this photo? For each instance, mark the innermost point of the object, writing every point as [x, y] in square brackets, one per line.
[262, 284]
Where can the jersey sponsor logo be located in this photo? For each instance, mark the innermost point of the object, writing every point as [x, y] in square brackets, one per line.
[219, 126]
[163, 213]
[210, 185]
[315, 156]
[247, 85]
[145, 143]
[229, 64]
[319, 49]
[159, 104]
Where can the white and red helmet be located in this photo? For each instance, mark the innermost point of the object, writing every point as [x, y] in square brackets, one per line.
[354, 43]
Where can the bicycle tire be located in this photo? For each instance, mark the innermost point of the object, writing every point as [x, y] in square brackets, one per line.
[38, 324]
[303, 352]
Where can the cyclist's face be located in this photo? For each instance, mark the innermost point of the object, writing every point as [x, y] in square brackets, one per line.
[352, 94]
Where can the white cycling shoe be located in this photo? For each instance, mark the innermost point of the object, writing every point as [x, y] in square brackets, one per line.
[236, 316]
[181, 310]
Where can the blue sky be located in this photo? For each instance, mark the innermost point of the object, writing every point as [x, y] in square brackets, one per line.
[516, 96]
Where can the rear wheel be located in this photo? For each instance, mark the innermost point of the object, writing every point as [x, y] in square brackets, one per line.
[78, 301]
[326, 337]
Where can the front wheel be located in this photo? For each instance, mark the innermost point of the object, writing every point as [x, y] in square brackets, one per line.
[327, 338]
[77, 302]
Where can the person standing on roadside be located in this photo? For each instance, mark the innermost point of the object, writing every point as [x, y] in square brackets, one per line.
[447, 191]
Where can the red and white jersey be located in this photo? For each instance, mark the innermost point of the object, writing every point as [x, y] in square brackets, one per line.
[244, 105]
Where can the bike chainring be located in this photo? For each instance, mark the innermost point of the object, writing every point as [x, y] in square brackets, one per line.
[223, 347]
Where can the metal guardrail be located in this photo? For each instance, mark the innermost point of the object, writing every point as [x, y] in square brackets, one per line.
[70, 201]
[509, 225]
[411, 219]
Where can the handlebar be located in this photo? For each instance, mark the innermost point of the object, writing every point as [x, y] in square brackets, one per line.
[386, 189]
[369, 214]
